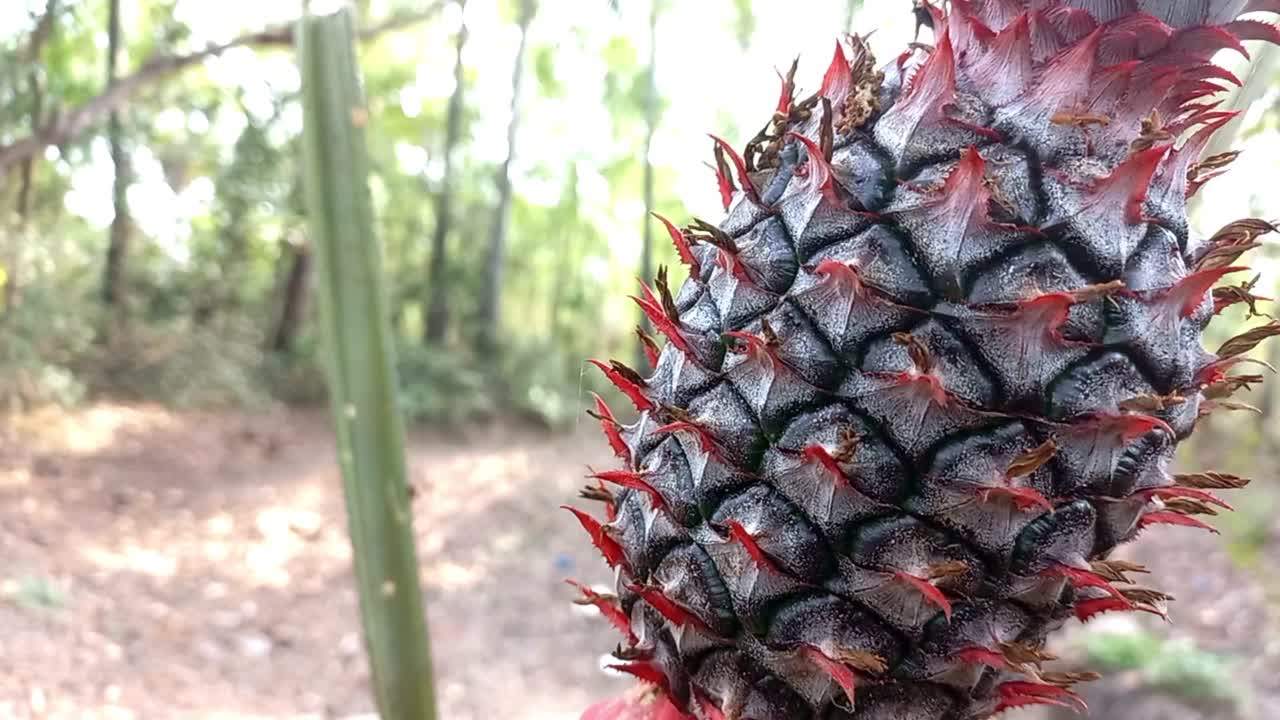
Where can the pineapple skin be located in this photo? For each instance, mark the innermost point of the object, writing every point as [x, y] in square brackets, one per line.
[930, 370]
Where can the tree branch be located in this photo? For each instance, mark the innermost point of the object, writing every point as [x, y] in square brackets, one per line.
[68, 125]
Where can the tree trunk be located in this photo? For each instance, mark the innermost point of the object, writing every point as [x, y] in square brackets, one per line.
[293, 305]
[490, 318]
[437, 321]
[851, 8]
[118, 243]
[72, 121]
[26, 170]
[650, 127]
[567, 255]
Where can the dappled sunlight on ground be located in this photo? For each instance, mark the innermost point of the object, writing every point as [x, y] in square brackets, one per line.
[197, 566]
[92, 429]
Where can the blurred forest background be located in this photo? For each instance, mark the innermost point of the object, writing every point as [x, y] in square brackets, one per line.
[167, 500]
[153, 243]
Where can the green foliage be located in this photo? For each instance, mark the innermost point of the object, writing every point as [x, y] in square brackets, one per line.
[442, 387]
[216, 204]
[1248, 528]
[187, 367]
[39, 593]
[1174, 666]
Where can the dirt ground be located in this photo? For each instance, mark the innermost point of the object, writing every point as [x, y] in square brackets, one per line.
[197, 566]
[161, 565]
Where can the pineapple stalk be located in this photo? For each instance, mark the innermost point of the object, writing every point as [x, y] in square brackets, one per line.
[360, 364]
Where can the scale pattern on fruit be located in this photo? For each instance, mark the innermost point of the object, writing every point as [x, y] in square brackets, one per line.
[931, 369]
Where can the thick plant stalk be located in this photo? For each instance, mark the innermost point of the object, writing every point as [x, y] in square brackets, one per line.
[357, 344]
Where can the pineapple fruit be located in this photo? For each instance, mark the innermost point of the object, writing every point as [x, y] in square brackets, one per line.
[930, 370]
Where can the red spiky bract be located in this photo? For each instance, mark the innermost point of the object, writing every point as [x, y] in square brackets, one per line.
[635, 481]
[608, 608]
[669, 327]
[784, 96]
[931, 592]
[930, 92]
[1005, 57]
[607, 546]
[1045, 313]
[645, 671]
[818, 454]
[706, 442]
[609, 424]
[1021, 497]
[1064, 82]
[837, 83]
[841, 674]
[1168, 517]
[1086, 610]
[1175, 491]
[961, 203]
[739, 534]
[1186, 296]
[923, 383]
[821, 179]
[981, 656]
[646, 706]
[1127, 427]
[1015, 694]
[1080, 578]
[682, 246]
[1125, 188]
[633, 391]
[845, 275]
[674, 612]
[744, 180]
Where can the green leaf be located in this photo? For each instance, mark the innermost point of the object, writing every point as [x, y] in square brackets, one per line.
[357, 343]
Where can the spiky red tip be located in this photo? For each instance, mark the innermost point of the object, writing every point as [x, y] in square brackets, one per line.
[1080, 578]
[645, 671]
[842, 674]
[837, 83]
[930, 591]
[821, 179]
[976, 655]
[1017, 693]
[744, 180]
[682, 246]
[1175, 491]
[668, 326]
[635, 481]
[608, 607]
[1020, 496]
[1126, 187]
[818, 454]
[628, 387]
[740, 535]
[607, 546]
[1186, 296]
[674, 612]
[1168, 517]
[641, 707]
[610, 426]
[705, 441]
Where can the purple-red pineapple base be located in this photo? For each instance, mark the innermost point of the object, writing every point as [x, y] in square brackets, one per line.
[930, 371]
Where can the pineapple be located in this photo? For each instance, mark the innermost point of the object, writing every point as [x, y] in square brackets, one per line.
[931, 369]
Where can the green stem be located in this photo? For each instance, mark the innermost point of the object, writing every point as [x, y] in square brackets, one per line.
[357, 344]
